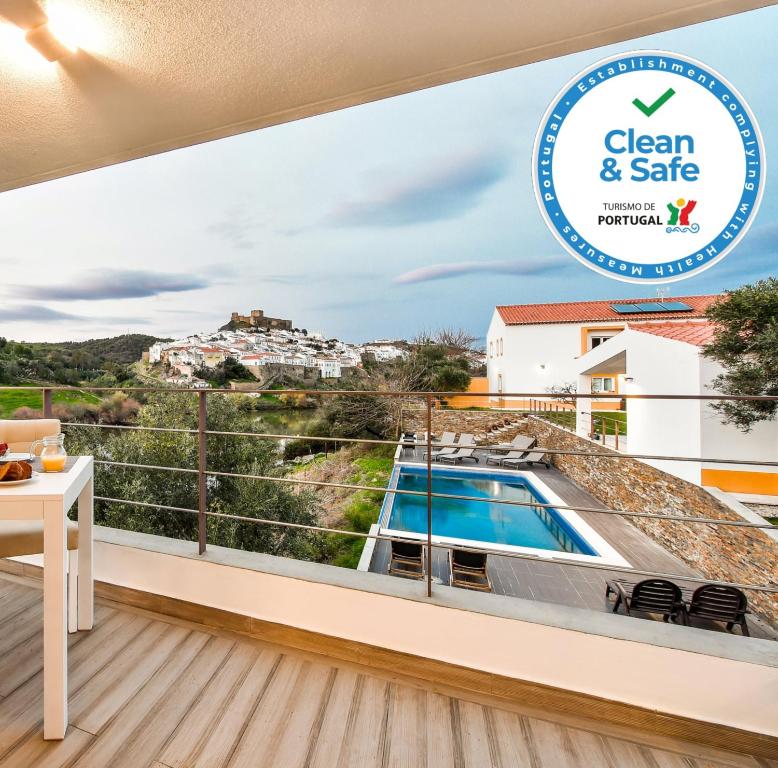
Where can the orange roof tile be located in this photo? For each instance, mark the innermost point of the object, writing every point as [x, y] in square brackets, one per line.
[589, 311]
[697, 334]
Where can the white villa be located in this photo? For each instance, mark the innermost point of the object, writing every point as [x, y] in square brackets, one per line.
[533, 347]
[632, 347]
[666, 358]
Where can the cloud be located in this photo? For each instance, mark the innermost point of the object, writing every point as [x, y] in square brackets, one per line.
[27, 312]
[314, 278]
[443, 191]
[235, 228]
[755, 256]
[99, 284]
[347, 306]
[534, 266]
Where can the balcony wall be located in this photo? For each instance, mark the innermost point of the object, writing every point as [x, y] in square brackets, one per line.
[686, 672]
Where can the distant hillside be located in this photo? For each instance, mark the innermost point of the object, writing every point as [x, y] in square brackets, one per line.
[125, 349]
[72, 362]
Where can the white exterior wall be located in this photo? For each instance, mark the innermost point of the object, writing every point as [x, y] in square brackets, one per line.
[592, 652]
[667, 367]
[725, 441]
[330, 369]
[155, 353]
[525, 348]
[656, 366]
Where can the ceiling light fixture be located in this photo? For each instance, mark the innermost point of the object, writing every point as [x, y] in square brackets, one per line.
[52, 43]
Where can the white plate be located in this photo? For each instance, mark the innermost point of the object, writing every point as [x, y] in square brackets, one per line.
[6, 457]
[4, 483]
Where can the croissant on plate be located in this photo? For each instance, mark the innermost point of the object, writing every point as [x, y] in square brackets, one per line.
[15, 470]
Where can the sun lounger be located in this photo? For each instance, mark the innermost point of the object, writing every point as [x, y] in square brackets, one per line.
[519, 443]
[465, 452]
[648, 596]
[510, 456]
[460, 455]
[468, 570]
[465, 439]
[407, 560]
[533, 458]
[727, 604]
[446, 438]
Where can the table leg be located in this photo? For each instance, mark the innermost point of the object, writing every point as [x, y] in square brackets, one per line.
[86, 587]
[55, 659]
[72, 591]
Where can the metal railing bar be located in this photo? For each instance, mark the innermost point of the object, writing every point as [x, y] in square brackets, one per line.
[202, 484]
[429, 495]
[144, 466]
[285, 524]
[441, 545]
[322, 483]
[310, 438]
[145, 504]
[452, 496]
[483, 447]
[131, 427]
[411, 394]
[564, 452]
[509, 502]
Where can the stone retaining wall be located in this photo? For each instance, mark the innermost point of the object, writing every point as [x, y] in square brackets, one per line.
[479, 423]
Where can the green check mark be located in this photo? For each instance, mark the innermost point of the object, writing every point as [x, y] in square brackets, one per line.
[651, 108]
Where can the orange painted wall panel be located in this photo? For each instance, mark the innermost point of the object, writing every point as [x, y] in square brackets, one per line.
[736, 481]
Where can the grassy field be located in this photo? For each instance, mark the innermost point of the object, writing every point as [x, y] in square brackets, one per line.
[11, 399]
[364, 507]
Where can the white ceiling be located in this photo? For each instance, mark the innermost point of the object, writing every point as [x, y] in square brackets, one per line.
[156, 75]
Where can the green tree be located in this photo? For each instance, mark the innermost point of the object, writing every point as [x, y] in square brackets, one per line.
[221, 374]
[239, 496]
[433, 368]
[357, 416]
[746, 345]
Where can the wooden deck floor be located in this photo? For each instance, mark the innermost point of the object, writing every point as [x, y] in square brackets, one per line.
[146, 690]
[568, 584]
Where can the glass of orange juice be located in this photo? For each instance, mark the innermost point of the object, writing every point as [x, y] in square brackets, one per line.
[53, 453]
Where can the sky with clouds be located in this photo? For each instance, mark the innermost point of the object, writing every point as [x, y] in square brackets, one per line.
[378, 221]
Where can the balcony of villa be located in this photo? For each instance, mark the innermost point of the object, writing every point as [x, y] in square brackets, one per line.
[205, 655]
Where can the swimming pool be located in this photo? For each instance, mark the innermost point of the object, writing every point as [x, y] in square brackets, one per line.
[540, 530]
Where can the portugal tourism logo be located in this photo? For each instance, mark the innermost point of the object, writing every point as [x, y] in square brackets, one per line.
[648, 167]
[679, 216]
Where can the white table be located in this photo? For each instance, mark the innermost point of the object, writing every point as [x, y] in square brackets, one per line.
[49, 496]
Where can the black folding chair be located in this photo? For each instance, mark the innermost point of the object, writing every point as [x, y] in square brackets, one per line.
[727, 604]
[407, 560]
[469, 570]
[649, 596]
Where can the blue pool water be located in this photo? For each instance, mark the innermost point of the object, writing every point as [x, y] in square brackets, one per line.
[485, 521]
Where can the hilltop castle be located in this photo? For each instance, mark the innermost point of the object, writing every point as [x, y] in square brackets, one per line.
[258, 319]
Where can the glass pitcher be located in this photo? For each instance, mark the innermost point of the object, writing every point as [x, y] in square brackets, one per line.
[53, 453]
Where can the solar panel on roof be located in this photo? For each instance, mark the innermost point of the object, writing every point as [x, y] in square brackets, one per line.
[651, 306]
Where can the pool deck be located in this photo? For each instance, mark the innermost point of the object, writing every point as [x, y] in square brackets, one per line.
[569, 584]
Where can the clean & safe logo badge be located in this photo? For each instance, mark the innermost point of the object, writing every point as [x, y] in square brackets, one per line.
[649, 167]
